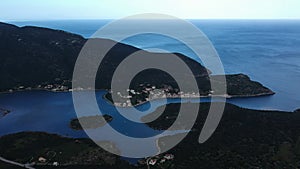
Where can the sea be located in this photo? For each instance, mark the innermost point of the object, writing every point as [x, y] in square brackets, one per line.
[268, 51]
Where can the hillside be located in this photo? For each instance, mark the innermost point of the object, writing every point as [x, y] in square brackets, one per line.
[42, 58]
[245, 138]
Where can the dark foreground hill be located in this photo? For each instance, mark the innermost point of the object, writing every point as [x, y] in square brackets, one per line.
[244, 139]
[33, 57]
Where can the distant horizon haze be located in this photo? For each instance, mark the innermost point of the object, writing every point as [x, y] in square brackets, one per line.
[25, 10]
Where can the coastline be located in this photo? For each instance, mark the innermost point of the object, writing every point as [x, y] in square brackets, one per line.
[226, 96]
[33, 89]
[192, 97]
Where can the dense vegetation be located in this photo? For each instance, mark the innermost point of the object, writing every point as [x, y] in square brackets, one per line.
[244, 139]
[28, 147]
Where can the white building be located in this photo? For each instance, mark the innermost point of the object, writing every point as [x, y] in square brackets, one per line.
[42, 159]
[152, 161]
[169, 156]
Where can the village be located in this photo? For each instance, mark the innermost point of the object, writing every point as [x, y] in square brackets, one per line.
[58, 86]
[160, 161]
[150, 92]
[129, 98]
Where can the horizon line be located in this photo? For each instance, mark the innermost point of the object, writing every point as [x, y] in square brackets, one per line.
[91, 19]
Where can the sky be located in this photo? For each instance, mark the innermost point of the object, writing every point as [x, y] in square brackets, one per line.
[15, 10]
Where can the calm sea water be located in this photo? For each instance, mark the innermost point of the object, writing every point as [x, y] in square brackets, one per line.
[267, 51]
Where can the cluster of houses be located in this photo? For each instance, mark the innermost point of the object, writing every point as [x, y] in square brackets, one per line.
[55, 88]
[44, 161]
[157, 160]
[153, 93]
[62, 88]
[52, 87]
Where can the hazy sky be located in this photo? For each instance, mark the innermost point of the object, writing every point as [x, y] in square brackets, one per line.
[114, 9]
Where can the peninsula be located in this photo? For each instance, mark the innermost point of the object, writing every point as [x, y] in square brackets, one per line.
[45, 59]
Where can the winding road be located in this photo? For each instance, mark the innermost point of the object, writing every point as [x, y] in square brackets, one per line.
[28, 166]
